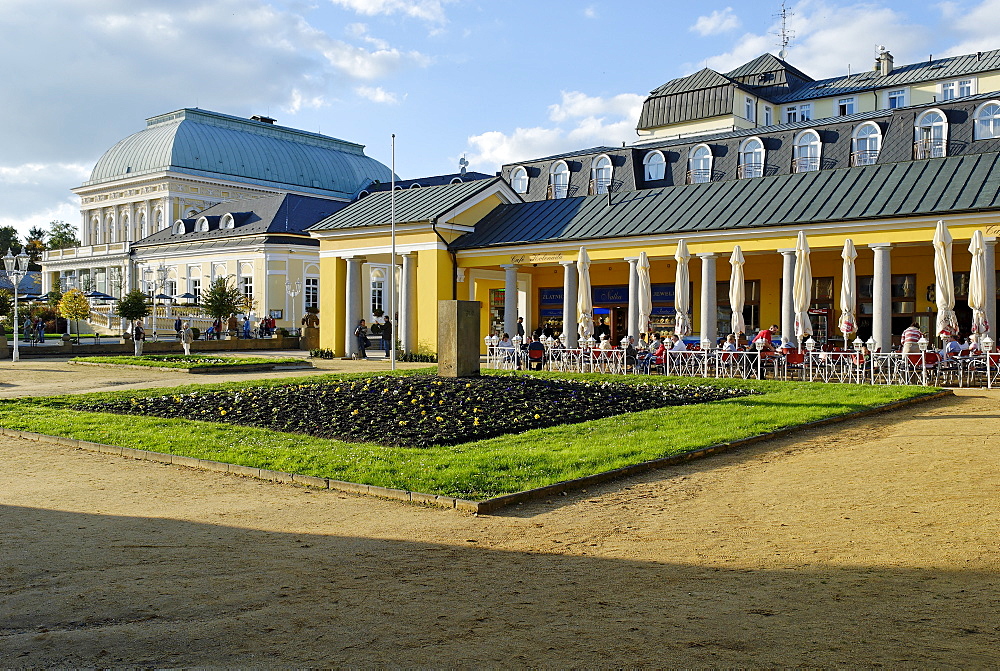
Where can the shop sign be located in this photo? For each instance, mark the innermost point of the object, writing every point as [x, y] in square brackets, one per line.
[551, 257]
[617, 295]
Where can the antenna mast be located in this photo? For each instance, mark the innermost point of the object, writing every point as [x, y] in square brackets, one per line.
[786, 33]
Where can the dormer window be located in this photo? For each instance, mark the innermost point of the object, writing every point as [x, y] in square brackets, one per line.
[957, 89]
[519, 179]
[600, 175]
[179, 227]
[202, 225]
[931, 135]
[228, 221]
[456, 180]
[847, 106]
[800, 112]
[416, 185]
[700, 165]
[751, 158]
[654, 165]
[867, 142]
[805, 152]
[987, 121]
[559, 180]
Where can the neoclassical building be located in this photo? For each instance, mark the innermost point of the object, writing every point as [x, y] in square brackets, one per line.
[750, 158]
[158, 186]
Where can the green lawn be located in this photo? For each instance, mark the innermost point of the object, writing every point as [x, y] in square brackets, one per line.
[476, 470]
[182, 361]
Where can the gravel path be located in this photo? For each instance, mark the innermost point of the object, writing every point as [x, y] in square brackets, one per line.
[868, 543]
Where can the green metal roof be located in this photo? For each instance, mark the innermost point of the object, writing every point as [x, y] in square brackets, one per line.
[219, 146]
[412, 205]
[930, 187]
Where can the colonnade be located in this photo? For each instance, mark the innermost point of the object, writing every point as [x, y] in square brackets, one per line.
[405, 327]
[881, 295]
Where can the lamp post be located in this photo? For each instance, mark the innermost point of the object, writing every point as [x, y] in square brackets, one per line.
[293, 290]
[17, 268]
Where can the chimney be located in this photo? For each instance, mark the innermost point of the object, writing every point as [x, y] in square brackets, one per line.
[262, 119]
[883, 61]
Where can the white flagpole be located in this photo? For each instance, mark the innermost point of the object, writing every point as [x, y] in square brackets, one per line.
[392, 260]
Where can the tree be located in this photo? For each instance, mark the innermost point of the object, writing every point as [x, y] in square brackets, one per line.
[222, 299]
[35, 246]
[8, 240]
[133, 306]
[62, 235]
[74, 305]
[6, 302]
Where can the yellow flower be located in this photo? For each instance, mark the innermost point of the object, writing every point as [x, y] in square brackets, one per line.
[475, 422]
[537, 416]
[440, 419]
[423, 412]
[355, 411]
[222, 412]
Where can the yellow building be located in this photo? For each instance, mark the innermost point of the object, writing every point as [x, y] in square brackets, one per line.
[881, 177]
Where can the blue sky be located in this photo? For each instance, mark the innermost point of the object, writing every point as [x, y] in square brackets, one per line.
[494, 81]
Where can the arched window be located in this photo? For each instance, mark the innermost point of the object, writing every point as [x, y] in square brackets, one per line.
[415, 185]
[159, 220]
[987, 121]
[931, 135]
[179, 227]
[751, 158]
[867, 144]
[228, 221]
[362, 195]
[805, 152]
[456, 180]
[655, 166]
[202, 225]
[378, 278]
[700, 165]
[143, 225]
[600, 175]
[109, 229]
[519, 180]
[95, 231]
[191, 214]
[126, 232]
[559, 180]
[398, 188]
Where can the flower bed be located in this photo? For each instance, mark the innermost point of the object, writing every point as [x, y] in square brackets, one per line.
[418, 411]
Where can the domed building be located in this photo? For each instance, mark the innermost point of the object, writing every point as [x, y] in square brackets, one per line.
[185, 162]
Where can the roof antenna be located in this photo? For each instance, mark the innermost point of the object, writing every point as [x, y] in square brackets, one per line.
[786, 33]
[462, 163]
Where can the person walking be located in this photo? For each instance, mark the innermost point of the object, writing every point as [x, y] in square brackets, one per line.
[187, 336]
[178, 326]
[246, 327]
[138, 336]
[361, 333]
[387, 337]
[41, 331]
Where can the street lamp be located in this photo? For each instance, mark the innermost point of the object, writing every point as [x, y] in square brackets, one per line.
[16, 272]
[293, 290]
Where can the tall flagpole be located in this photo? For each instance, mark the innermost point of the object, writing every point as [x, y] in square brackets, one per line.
[392, 260]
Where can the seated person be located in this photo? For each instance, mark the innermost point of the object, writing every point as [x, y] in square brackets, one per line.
[676, 344]
[506, 347]
[557, 345]
[730, 344]
[606, 342]
[536, 354]
[951, 349]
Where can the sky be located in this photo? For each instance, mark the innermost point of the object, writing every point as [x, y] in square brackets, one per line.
[495, 82]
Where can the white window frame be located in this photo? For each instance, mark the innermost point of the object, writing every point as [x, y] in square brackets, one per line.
[902, 95]
[179, 227]
[377, 279]
[842, 103]
[601, 172]
[311, 292]
[246, 285]
[559, 180]
[807, 150]
[957, 88]
[982, 131]
[519, 179]
[768, 115]
[930, 139]
[865, 155]
[700, 164]
[201, 225]
[649, 166]
[749, 107]
[749, 170]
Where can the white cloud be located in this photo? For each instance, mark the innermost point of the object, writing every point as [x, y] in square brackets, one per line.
[715, 23]
[828, 38]
[976, 28]
[582, 121]
[377, 94]
[590, 12]
[36, 193]
[428, 10]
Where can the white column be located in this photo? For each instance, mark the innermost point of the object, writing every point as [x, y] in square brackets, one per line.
[85, 228]
[570, 326]
[633, 297]
[709, 299]
[510, 299]
[991, 285]
[787, 301]
[882, 297]
[408, 303]
[352, 303]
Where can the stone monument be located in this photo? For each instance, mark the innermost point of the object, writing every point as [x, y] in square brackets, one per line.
[458, 338]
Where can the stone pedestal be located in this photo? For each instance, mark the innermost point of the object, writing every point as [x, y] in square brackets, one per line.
[4, 347]
[458, 338]
[310, 338]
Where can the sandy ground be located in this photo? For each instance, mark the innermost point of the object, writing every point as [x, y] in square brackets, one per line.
[869, 543]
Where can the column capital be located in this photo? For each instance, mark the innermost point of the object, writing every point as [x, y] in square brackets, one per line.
[631, 259]
[881, 245]
[990, 240]
[509, 266]
[787, 251]
[707, 255]
[353, 258]
[567, 263]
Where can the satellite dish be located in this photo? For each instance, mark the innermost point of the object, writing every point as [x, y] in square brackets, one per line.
[462, 163]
